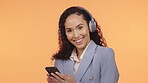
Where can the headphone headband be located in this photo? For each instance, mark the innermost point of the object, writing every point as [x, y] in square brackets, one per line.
[92, 23]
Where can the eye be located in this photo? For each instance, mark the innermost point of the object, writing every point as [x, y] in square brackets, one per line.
[68, 30]
[80, 27]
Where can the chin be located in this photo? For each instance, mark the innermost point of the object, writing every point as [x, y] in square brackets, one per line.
[80, 47]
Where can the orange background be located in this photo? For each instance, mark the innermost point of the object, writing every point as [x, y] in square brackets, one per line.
[28, 36]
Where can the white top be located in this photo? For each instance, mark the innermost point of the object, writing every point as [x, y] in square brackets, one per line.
[77, 61]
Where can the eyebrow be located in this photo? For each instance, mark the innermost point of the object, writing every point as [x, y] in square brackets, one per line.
[79, 25]
[76, 26]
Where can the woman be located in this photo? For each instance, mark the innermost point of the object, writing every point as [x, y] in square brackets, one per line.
[83, 55]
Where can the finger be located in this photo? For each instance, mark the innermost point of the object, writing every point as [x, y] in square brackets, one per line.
[54, 80]
[68, 75]
[61, 75]
[48, 75]
[49, 80]
[57, 77]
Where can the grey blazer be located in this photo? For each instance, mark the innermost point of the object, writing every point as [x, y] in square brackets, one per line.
[97, 66]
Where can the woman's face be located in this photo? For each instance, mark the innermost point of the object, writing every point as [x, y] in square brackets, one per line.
[77, 31]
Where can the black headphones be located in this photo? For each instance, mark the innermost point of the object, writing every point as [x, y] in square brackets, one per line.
[92, 23]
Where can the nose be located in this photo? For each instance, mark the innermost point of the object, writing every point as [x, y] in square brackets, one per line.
[76, 34]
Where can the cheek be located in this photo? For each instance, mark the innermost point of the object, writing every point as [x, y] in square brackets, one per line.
[69, 36]
[85, 32]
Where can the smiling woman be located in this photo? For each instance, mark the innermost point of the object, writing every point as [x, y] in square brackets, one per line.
[78, 33]
[83, 56]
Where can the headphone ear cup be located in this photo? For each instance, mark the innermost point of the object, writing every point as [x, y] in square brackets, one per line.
[92, 26]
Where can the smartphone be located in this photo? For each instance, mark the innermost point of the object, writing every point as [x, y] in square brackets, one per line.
[52, 70]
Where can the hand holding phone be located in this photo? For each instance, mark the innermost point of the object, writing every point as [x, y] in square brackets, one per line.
[52, 70]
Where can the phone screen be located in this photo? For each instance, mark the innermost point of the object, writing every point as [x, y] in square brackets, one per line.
[52, 70]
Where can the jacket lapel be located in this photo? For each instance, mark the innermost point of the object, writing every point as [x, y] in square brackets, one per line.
[86, 60]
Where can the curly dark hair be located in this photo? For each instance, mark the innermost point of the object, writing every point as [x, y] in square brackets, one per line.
[65, 47]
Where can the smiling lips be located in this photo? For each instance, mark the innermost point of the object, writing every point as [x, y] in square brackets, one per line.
[78, 41]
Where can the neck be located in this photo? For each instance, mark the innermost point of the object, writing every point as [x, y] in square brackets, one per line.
[79, 52]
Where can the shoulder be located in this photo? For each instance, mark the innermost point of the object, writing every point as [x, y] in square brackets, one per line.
[57, 62]
[104, 50]
[107, 56]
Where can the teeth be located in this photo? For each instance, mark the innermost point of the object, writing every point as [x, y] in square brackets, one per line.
[78, 40]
